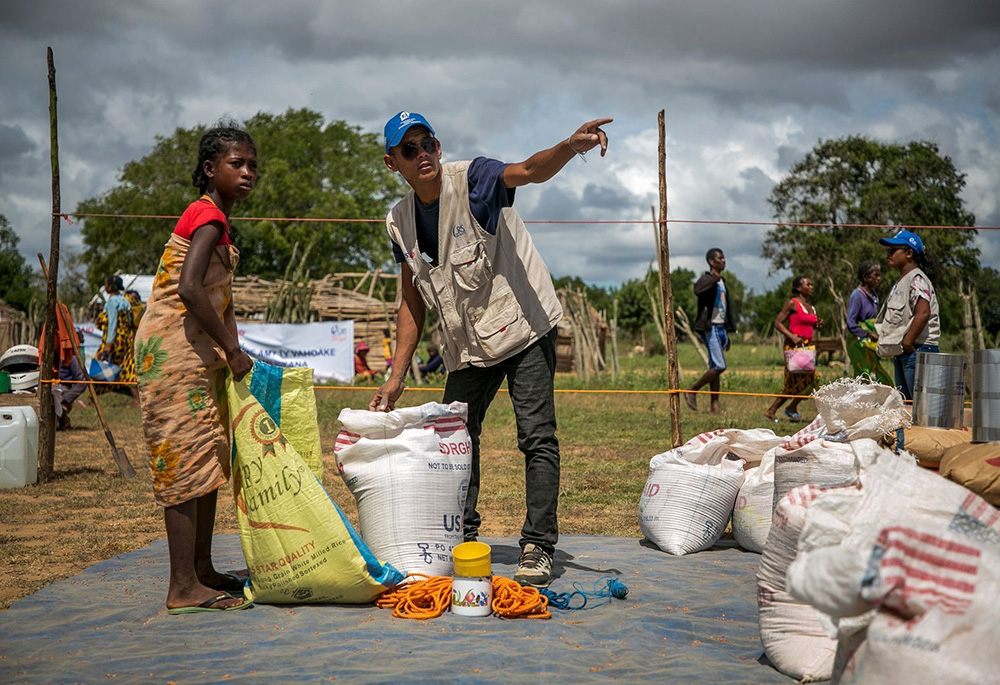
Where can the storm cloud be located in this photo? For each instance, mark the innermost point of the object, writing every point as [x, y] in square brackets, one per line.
[748, 88]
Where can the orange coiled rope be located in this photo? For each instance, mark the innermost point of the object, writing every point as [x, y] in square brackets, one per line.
[431, 597]
[513, 600]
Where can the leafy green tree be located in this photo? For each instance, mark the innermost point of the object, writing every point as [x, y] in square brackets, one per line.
[18, 286]
[308, 169]
[856, 180]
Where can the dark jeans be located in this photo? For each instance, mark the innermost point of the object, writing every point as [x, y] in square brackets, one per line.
[906, 369]
[529, 377]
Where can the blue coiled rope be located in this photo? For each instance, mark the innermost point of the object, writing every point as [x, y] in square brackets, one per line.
[604, 590]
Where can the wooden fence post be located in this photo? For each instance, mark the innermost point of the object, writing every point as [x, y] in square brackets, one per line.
[667, 299]
[46, 408]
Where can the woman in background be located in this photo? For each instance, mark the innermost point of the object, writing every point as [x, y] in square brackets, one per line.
[118, 334]
[802, 322]
[862, 338]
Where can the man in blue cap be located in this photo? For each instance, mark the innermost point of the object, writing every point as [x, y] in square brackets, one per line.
[464, 251]
[909, 321]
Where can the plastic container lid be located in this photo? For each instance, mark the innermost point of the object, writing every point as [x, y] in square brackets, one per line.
[472, 559]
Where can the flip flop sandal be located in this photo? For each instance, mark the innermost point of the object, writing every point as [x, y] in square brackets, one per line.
[768, 418]
[231, 582]
[206, 606]
[793, 416]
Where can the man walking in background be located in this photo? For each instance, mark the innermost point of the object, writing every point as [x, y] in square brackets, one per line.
[714, 323]
[464, 251]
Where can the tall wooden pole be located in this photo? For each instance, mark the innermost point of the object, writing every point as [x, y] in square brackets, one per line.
[46, 408]
[667, 295]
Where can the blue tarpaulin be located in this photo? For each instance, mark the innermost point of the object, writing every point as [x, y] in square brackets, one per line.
[690, 619]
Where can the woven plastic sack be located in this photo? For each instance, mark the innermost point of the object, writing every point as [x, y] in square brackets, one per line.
[854, 408]
[689, 496]
[749, 445]
[299, 546]
[935, 593]
[409, 473]
[288, 397]
[818, 462]
[793, 633]
[752, 511]
[834, 549]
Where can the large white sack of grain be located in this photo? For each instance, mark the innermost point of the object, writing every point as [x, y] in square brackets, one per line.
[689, 496]
[749, 445]
[409, 473]
[752, 510]
[794, 635]
[935, 592]
[817, 462]
[833, 558]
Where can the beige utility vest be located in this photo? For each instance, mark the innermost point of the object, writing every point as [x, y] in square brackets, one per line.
[897, 315]
[493, 293]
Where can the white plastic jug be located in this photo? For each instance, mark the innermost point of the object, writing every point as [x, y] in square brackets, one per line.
[18, 447]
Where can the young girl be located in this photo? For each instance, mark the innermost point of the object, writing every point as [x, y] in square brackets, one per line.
[802, 323]
[185, 345]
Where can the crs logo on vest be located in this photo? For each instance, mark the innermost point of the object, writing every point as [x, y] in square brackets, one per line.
[457, 231]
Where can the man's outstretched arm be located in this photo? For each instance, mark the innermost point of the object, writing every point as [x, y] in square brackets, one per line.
[545, 164]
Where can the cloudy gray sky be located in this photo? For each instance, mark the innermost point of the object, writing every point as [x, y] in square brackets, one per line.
[748, 88]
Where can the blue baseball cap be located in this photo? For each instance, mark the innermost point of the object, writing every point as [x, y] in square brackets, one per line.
[905, 239]
[397, 127]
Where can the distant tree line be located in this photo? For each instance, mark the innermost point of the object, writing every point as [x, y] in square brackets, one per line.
[313, 169]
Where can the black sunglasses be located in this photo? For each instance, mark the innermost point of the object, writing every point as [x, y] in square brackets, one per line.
[409, 151]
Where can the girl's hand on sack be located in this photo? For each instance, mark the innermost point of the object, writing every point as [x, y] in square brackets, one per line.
[796, 339]
[385, 397]
[239, 363]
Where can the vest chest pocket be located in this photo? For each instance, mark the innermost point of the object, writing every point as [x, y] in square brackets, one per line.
[471, 266]
[502, 328]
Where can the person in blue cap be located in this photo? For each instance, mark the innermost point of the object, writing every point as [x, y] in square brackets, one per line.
[464, 251]
[908, 322]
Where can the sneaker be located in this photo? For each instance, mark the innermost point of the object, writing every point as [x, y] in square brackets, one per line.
[534, 567]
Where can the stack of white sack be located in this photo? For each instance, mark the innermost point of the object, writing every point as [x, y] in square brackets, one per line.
[817, 458]
[908, 568]
[752, 510]
[409, 473]
[691, 490]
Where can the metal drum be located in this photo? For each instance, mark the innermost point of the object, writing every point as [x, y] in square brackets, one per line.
[986, 396]
[939, 390]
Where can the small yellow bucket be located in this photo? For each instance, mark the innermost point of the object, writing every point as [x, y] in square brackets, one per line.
[472, 559]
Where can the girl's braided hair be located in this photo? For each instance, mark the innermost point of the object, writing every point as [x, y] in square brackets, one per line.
[214, 142]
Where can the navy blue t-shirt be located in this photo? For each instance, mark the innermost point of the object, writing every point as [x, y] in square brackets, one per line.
[487, 196]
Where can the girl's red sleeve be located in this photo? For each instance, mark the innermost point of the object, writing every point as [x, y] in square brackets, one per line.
[199, 214]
